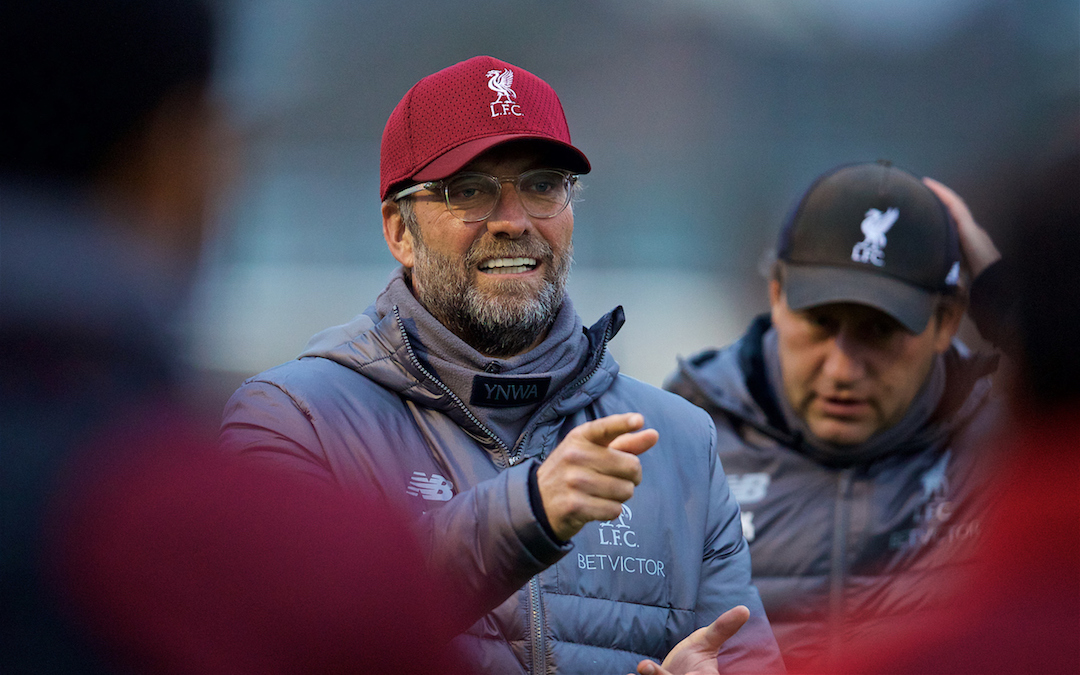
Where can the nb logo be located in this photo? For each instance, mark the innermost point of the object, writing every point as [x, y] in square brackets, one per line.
[749, 487]
[434, 489]
[748, 529]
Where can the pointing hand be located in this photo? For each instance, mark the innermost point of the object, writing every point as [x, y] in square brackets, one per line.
[593, 471]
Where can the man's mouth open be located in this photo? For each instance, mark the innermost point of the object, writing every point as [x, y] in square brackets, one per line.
[843, 407]
[508, 265]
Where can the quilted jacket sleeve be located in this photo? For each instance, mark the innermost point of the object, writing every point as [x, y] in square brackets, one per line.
[485, 542]
[262, 420]
[488, 539]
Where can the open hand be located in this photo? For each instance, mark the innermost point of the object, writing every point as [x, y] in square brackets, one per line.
[696, 654]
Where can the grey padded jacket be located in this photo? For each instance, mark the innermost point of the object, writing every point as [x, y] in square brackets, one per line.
[843, 547]
[359, 409]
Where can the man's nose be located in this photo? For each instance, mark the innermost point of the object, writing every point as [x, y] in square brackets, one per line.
[846, 357]
[509, 218]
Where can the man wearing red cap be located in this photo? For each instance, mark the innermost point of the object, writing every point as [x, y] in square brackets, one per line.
[851, 424]
[471, 393]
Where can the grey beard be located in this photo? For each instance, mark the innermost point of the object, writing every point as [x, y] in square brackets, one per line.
[500, 326]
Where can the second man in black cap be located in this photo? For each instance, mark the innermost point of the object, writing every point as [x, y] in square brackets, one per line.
[847, 416]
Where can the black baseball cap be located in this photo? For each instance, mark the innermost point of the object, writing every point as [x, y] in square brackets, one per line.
[871, 234]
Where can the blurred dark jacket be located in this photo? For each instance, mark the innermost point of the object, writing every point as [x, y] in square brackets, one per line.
[82, 343]
[129, 543]
[1020, 607]
[844, 542]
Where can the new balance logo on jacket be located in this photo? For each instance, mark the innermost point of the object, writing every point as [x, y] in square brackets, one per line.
[433, 488]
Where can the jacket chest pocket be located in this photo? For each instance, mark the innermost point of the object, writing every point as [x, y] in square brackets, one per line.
[626, 559]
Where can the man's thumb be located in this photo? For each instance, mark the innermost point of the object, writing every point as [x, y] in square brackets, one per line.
[637, 442]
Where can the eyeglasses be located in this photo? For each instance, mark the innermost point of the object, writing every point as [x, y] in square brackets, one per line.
[471, 197]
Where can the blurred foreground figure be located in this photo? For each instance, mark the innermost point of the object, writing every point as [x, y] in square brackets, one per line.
[850, 420]
[126, 543]
[1021, 612]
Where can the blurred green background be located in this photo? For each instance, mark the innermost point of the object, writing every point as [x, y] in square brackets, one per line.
[704, 121]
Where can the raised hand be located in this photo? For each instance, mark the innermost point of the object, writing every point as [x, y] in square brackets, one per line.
[593, 471]
[976, 245]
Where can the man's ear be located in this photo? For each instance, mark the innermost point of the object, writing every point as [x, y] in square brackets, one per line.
[397, 235]
[776, 299]
[774, 292]
[950, 313]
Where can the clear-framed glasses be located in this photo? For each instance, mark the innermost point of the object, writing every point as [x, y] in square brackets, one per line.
[471, 196]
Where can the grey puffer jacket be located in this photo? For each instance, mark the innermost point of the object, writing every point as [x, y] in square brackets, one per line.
[853, 547]
[360, 409]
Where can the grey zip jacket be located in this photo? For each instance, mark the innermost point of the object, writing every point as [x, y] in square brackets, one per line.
[361, 409]
[847, 544]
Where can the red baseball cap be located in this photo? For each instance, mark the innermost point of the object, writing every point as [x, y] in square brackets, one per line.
[450, 117]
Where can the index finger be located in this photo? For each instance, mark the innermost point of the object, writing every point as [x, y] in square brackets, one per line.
[606, 429]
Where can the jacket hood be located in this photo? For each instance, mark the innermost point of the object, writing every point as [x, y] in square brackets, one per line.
[733, 380]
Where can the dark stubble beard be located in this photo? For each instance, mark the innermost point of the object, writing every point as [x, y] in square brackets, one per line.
[495, 324]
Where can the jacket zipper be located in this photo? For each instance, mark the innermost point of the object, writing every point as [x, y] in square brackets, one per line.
[536, 617]
[838, 573]
[453, 397]
[536, 607]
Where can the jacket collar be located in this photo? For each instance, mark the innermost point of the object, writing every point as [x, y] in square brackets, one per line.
[378, 346]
